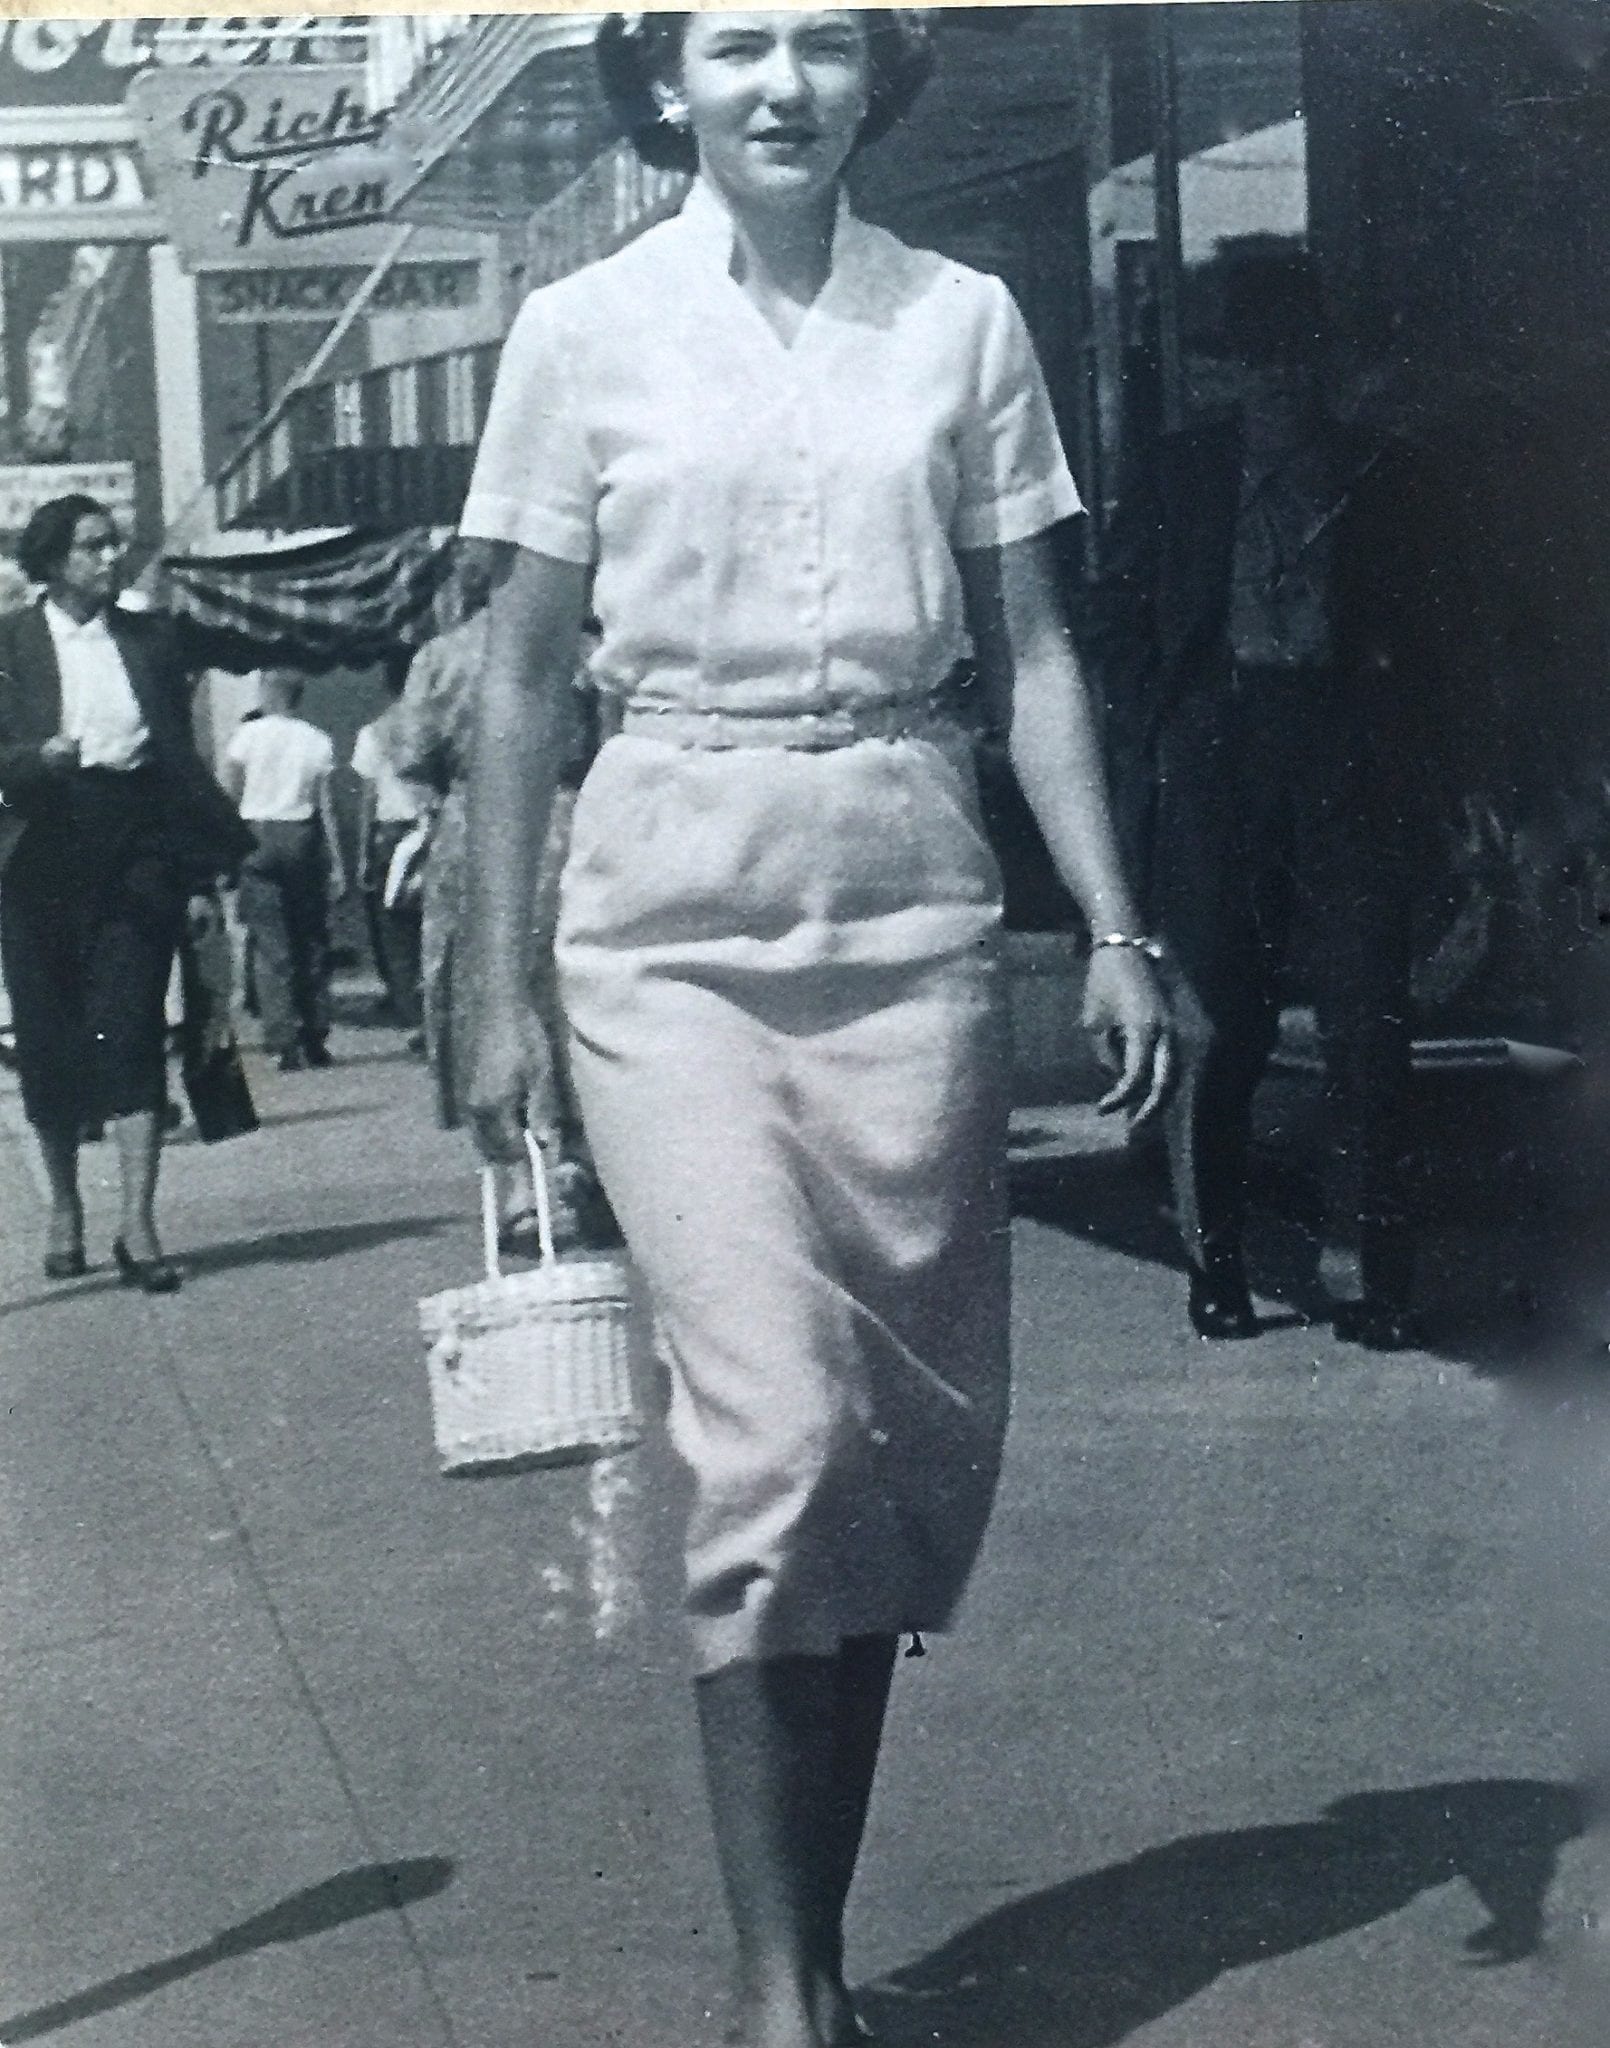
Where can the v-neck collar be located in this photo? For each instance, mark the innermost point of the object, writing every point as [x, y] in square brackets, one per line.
[708, 225]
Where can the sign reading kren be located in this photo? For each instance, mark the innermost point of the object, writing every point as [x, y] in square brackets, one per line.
[267, 162]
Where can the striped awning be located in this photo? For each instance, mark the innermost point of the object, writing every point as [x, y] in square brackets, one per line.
[343, 601]
[381, 448]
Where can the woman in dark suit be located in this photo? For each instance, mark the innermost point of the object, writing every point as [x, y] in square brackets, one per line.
[109, 822]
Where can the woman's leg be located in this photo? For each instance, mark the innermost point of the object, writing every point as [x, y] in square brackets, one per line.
[865, 1673]
[138, 1138]
[128, 965]
[58, 1148]
[790, 1747]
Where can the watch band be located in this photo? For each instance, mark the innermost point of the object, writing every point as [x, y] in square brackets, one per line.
[1131, 942]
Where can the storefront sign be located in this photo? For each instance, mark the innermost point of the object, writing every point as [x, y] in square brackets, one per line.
[278, 162]
[69, 176]
[24, 487]
[89, 62]
[320, 291]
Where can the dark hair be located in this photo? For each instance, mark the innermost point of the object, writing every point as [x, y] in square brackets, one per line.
[636, 51]
[47, 539]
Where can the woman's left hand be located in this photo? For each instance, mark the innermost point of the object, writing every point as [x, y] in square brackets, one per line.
[1125, 1008]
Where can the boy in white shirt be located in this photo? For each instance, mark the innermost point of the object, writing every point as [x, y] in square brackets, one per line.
[278, 769]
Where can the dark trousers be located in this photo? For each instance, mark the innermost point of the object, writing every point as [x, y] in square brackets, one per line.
[285, 907]
[1270, 795]
[394, 935]
[91, 909]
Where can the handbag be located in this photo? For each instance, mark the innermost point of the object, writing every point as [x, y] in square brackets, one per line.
[209, 1059]
[531, 1369]
[219, 1096]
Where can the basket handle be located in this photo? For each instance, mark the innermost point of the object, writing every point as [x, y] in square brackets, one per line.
[489, 1210]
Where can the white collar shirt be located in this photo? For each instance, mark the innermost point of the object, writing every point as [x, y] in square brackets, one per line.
[98, 706]
[284, 764]
[773, 527]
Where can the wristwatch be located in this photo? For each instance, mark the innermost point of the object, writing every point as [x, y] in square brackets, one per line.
[1132, 942]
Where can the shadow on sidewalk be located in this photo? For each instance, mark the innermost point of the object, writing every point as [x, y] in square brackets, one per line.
[1086, 1963]
[335, 1112]
[1122, 1201]
[274, 1248]
[1496, 1288]
[354, 1895]
[329, 1241]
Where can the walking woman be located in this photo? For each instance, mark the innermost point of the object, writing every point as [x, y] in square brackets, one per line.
[109, 820]
[794, 466]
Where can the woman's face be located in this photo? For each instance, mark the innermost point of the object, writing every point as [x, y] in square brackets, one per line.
[88, 573]
[775, 101]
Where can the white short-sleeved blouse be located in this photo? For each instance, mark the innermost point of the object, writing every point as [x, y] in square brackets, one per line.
[774, 528]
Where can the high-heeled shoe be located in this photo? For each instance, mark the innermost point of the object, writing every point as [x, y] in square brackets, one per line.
[1219, 1303]
[152, 1276]
[66, 1265]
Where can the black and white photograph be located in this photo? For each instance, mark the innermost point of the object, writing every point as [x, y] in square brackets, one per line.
[729, 1320]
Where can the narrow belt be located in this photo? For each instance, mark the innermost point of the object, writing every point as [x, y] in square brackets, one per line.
[811, 732]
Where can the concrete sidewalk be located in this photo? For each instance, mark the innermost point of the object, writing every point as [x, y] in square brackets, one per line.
[1247, 1738]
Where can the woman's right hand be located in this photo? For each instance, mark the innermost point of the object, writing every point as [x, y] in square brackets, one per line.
[512, 1064]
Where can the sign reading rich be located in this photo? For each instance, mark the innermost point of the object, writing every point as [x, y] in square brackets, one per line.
[269, 163]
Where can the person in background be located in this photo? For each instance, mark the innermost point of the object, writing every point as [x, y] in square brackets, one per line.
[1245, 626]
[278, 768]
[390, 808]
[110, 823]
[430, 733]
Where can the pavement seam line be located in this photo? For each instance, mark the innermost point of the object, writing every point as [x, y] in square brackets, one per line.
[258, 1579]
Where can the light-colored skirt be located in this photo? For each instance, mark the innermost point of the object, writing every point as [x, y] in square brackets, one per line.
[780, 974]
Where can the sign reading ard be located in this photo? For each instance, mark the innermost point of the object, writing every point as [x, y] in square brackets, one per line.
[25, 486]
[276, 163]
[70, 177]
[321, 291]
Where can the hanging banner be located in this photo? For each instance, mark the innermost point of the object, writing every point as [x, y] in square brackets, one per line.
[273, 164]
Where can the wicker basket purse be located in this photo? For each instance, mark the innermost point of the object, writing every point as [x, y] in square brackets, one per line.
[534, 1368]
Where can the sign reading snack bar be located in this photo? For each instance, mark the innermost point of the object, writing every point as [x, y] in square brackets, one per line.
[277, 163]
[320, 291]
[25, 486]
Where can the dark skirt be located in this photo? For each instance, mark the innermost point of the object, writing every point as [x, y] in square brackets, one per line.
[91, 910]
